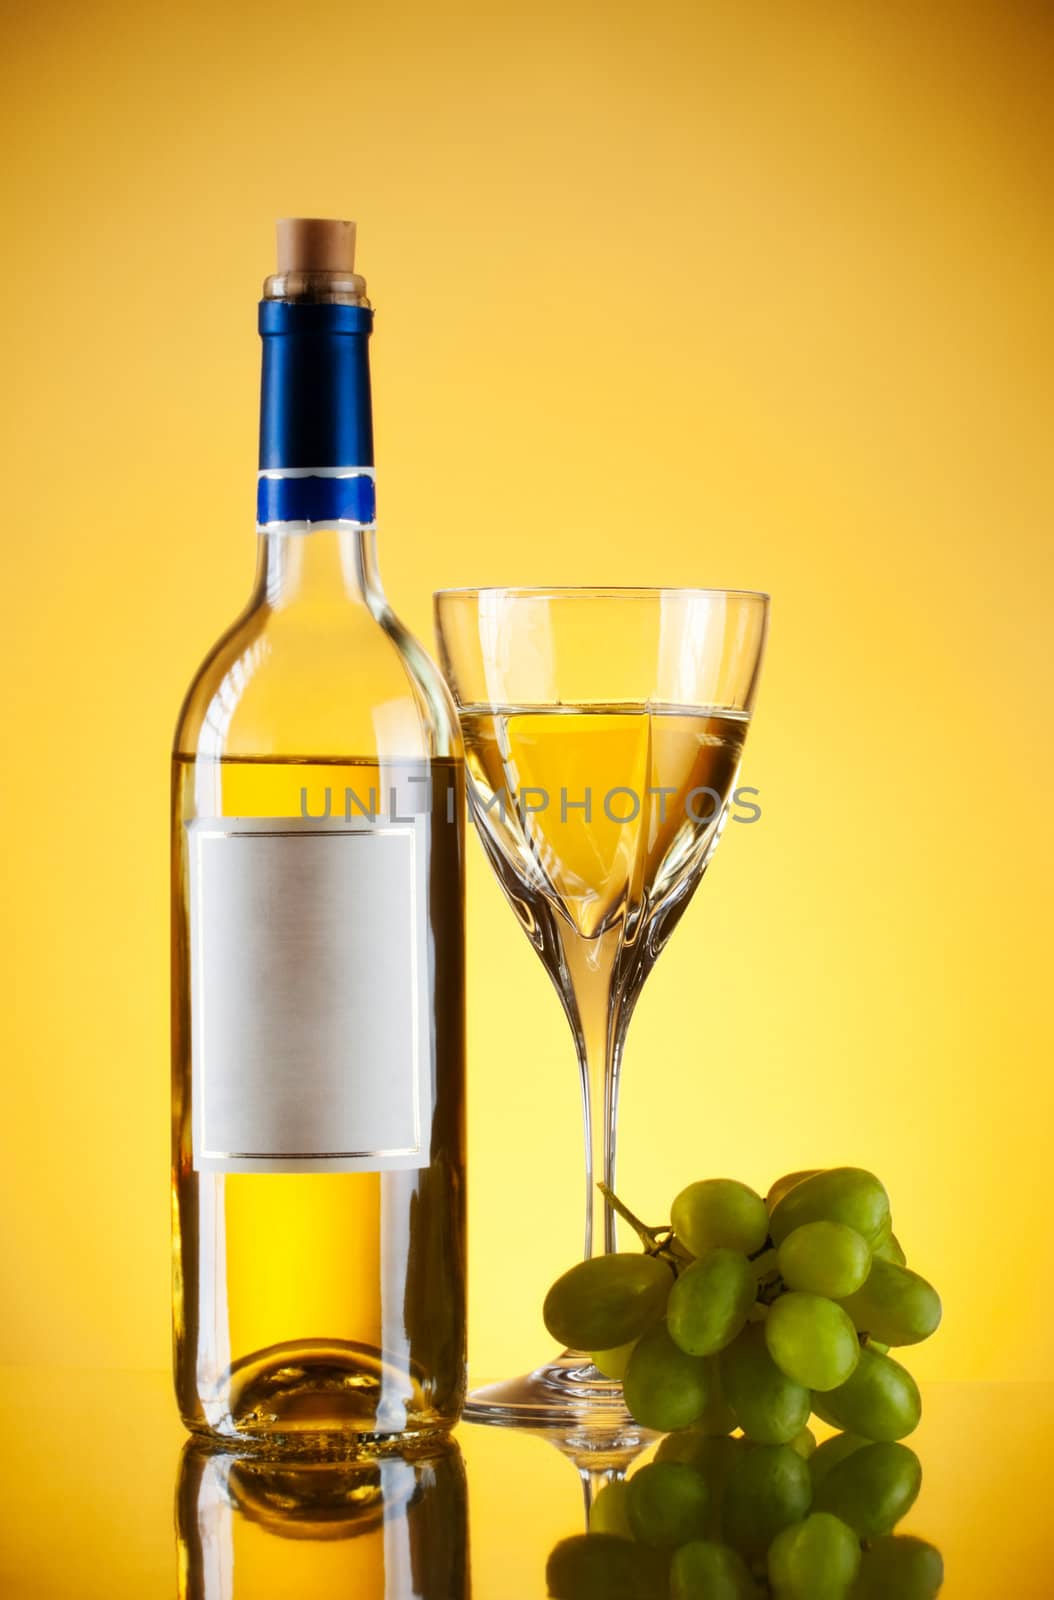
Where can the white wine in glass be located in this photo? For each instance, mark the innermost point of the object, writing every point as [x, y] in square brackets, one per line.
[603, 731]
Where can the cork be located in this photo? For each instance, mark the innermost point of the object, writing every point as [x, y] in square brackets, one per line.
[315, 244]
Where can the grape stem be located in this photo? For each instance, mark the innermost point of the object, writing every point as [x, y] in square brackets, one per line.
[657, 1241]
[647, 1236]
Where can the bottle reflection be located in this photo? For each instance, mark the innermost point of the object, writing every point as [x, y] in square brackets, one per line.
[386, 1527]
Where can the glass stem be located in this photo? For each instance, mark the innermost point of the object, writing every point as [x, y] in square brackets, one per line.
[593, 1480]
[590, 965]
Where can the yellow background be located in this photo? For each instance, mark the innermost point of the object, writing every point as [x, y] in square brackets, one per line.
[747, 294]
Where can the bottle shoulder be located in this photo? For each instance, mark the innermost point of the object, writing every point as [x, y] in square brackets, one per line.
[340, 679]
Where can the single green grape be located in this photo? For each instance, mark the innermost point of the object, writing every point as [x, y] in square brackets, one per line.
[705, 1451]
[667, 1502]
[684, 1444]
[769, 1406]
[817, 1559]
[609, 1512]
[804, 1443]
[704, 1570]
[714, 1456]
[895, 1305]
[601, 1566]
[664, 1388]
[718, 1416]
[843, 1194]
[891, 1249]
[812, 1340]
[769, 1489]
[881, 1400]
[825, 1258]
[900, 1566]
[828, 1455]
[873, 1488]
[708, 1304]
[720, 1212]
[607, 1301]
[613, 1363]
[884, 1236]
[785, 1184]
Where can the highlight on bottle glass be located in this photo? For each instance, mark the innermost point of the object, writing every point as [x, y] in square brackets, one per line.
[603, 730]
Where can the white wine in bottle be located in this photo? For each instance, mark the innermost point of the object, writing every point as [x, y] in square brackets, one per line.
[318, 1177]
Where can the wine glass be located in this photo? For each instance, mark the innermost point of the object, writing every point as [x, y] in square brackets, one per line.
[603, 730]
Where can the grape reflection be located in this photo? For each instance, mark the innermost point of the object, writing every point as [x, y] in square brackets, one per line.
[717, 1516]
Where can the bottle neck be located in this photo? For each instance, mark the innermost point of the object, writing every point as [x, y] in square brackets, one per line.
[319, 569]
[316, 424]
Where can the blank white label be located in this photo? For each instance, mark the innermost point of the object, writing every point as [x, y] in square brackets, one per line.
[309, 986]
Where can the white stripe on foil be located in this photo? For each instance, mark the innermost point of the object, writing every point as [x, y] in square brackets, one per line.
[317, 472]
[341, 524]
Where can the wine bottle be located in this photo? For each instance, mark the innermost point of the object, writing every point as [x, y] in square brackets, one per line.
[318, 947]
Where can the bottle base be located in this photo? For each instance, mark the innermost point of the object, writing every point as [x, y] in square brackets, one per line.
[319, 1397]
[328, 1444]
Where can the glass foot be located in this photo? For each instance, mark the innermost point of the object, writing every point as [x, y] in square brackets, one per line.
[567, 1396]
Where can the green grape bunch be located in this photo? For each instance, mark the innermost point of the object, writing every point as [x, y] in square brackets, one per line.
[740, 1321]
[799, 1297]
